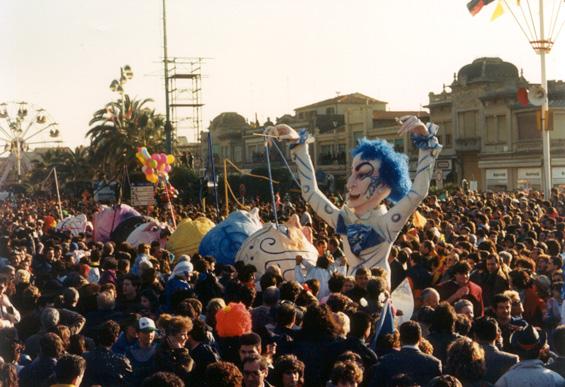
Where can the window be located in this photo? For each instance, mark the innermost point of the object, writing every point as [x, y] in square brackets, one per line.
[237, 156]
[300, 115]
[356, 137]
[445, 134]
[447, 129]
[558, 131]
[249, 154]
[468, 124]
[330, 110]
[496, 129]
[527, 126]
[341, 154]
[326, 154]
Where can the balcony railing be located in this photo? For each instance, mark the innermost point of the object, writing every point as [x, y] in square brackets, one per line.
[468, 144]
[329, 159]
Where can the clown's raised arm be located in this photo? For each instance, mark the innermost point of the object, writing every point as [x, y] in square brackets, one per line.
[323, 207]
[424, 138]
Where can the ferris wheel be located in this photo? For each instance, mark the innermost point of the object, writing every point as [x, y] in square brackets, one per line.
[24, 127]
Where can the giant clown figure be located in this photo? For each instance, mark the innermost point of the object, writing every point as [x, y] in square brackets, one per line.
[366, 228]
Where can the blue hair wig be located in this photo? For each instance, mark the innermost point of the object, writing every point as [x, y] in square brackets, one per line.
[394, 165]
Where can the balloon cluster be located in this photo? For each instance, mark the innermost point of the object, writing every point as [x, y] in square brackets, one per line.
[155, 165]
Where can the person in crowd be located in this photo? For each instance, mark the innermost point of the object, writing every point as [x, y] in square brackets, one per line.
[346, 374]
[104, 367]
[462, 288]
[223, 374]
[143, 259]
[171, 354]
[506, 322]
[355, 342]
[558, 364]
[201, 352]
[442, 330]
[529, 371]
[321, 272]
[141, 353]
[497, 362]
[128, 335]
[38, 372]
[493, 280]
[263, 315]
[362, 276]
[255, 371]
[178, 281]
[288, 372]
[9, 315]
[69, 371]
[466, 361]
[409, 360]
[128, 300]
[464, 307]
[318, 332]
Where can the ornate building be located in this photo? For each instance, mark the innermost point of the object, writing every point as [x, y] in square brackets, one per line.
[489, 136]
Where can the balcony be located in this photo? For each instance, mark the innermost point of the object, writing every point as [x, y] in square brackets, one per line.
[332, 159]
[468, 144]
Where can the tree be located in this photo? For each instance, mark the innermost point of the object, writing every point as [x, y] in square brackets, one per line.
[117, 130]
[73, 167]
[42, 167]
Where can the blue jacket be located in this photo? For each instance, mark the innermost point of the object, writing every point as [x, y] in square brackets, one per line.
[410, 361]
[173, 285]
[497, 362]
[530, 373]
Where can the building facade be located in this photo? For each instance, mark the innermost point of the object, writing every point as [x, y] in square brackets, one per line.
[336, 124]
[490, 137]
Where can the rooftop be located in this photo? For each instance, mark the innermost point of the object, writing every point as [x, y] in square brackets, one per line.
[354, 98]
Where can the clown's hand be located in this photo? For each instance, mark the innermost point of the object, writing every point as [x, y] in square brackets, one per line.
[281, 132]
[412, 125]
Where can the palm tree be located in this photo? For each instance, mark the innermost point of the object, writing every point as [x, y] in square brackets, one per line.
[117, 130]
[78, 165]
[42, 167]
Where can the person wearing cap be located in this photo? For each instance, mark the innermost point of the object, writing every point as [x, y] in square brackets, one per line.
[178, 281]
[141, 353]
[530, 371]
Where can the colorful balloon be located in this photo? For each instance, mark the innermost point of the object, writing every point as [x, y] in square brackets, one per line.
[170, 159]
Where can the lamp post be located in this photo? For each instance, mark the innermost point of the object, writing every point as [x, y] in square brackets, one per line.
[117, 86]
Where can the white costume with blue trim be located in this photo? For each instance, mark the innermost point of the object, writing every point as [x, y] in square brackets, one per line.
[378, 227]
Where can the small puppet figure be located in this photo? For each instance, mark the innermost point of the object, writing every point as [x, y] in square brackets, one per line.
[366, 228]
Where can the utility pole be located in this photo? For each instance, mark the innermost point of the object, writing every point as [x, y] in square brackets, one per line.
[544, 48]
[168, 125]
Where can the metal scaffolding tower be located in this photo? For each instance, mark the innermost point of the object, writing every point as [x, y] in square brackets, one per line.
[184, 79]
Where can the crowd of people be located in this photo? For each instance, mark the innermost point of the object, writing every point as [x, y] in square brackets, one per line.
[485, 270]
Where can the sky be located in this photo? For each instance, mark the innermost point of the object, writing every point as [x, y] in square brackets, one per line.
[266, 57]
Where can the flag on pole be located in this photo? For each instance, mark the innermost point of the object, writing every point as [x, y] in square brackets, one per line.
[498, 11]
[475, 6]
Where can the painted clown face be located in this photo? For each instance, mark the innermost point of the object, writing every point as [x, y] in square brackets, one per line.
[365, 189]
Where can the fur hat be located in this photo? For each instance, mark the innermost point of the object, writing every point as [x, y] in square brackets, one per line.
[233, 321]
